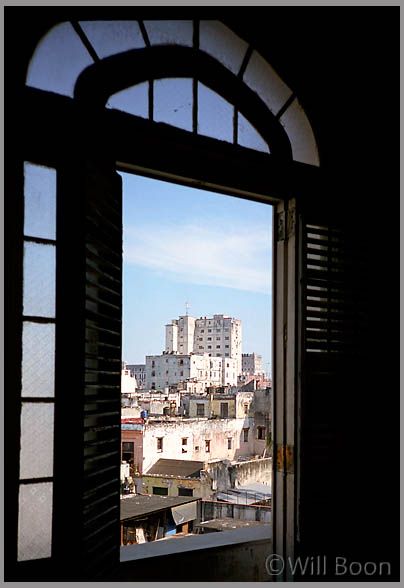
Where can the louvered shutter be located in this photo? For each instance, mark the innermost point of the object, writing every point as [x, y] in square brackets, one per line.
[89, 369]
[335, 339]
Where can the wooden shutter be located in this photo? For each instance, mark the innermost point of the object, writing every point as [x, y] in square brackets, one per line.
[88, 368]
[334, 339]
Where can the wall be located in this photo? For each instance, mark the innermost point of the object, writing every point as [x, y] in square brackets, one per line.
[257, 470]
[128, 382]
[263, 418]
[219, 510]
[224, 475]
[201, 489]
[134, 434]
[218, 431]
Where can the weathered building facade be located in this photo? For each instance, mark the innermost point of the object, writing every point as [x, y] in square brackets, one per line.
[169, 369]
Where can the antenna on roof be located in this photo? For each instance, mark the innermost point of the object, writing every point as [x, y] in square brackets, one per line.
[186, 308]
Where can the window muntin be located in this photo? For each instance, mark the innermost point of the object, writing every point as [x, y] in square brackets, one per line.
[111, 37]
[35, 502]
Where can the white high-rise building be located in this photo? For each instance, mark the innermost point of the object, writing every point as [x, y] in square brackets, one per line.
[170, 368]
[219, 336]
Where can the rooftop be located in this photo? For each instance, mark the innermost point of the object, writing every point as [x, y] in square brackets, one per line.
[176, 467]
[141, 504]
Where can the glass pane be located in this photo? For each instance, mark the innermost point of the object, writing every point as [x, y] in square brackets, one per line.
[35, 521]
[248, 136]
[36, 459]
[222, 44]
[38, 360]
[134, 100]
[298, 129]
[39, 201]
[173, 102]
[111, 37]
[261, 78]
[215, 115]
[58, 60]
[164, 32]
[39, 280]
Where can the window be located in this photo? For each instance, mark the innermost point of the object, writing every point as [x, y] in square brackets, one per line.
[245, 435]
[128, 451]
[209, 346]
[184, 444]
[217, 338]
[159, 444]
[31, 82]
[185, 492]
[229, 443]
[245, 408]
[224, 409]
[181, 373]
[209, 338]
[217, 346]
[227, 346]
[207, 446]
[197, 448]
[160, 491]
[200, 409]
[261, 433]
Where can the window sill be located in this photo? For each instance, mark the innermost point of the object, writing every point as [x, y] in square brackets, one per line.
[130, 553]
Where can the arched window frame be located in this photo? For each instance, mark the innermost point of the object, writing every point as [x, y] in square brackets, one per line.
[285, 175]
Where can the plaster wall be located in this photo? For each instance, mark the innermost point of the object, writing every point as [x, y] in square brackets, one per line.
[197, 432]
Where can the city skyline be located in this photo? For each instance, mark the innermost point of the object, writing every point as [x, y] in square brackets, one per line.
[185, 246]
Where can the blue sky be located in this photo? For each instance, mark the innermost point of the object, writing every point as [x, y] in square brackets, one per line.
[182, 244]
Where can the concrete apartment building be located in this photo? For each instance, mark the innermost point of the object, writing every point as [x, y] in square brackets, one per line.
[251, 363]
[219, 336]
[139, 372]
[170, 368]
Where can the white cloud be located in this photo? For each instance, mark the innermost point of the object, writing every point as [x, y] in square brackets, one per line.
[218, 256]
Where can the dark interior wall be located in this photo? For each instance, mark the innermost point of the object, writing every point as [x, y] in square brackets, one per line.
[343, 65]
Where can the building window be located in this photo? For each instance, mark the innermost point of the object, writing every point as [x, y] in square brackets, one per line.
[209, 338]
[185, 492]
[261, 433]
[181, 361]
[128, 451]
[229, 443]
[209, 330]
[245, 435]
[202, 331]
[209, 346]
[181, 373]
[217, 338]
[153, 373]
[160, 444]
[207, 446]
[152, 363]
[224, 409]
[200, 409]
[184, 444]
[217, 346]
[245, 408]
[196, 447]
[227, 346]
[160, 491]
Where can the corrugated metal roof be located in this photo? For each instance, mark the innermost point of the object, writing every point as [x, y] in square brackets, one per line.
[143, 505]
[176, 467]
